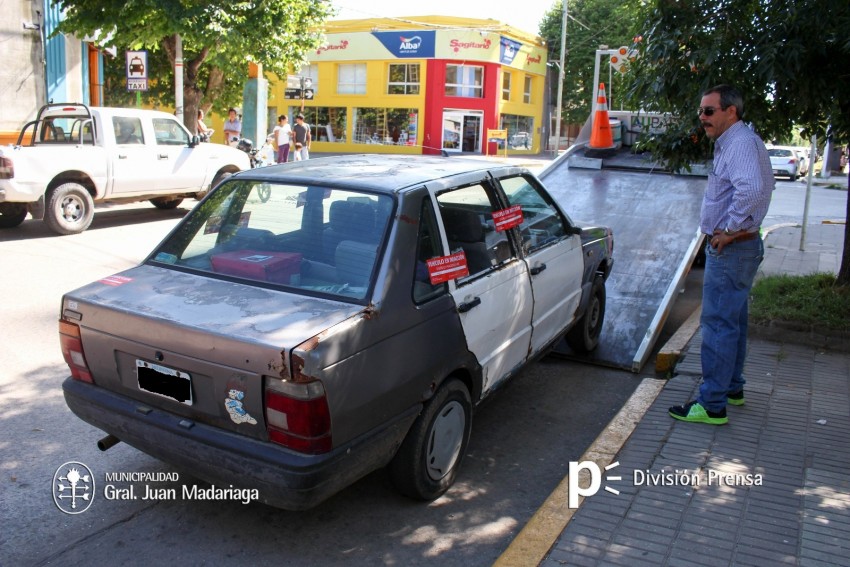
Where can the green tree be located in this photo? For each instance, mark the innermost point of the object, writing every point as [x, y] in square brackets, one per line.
[219, 38]
[591, 23]
[789, 58]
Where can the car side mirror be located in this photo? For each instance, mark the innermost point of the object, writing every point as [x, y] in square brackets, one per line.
[574, 230]
[194, 141]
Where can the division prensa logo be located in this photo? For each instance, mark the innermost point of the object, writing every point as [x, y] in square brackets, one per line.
[73, 488]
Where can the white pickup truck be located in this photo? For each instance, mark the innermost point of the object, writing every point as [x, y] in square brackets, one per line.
[73, 156]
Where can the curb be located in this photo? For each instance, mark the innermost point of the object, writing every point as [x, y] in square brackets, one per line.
[672, 350]
[541, 532]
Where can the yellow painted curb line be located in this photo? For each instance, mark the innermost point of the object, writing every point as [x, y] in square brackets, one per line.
[538, 536]
[669, 354]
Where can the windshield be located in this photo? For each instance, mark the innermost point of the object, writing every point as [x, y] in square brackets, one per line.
[318, 240]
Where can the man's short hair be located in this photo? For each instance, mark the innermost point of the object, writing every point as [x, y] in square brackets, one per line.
[300, 117]
[229, 110]
[729, 96]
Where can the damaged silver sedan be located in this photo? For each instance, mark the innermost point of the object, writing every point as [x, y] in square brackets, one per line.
[309, 323]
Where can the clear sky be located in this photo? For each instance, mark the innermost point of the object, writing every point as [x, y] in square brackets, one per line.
[525, 14]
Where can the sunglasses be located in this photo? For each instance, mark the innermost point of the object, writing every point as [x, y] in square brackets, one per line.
[708, 110]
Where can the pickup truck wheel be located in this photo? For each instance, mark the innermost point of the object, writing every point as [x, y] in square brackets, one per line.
[428, 460]
[584, 336]
[166, 203]
[69, 210]
[12, 214]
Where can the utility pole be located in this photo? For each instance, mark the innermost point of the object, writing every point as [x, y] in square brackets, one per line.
[561, 79]
[178, 80]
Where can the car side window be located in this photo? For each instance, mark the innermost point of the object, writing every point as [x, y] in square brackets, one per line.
[127, 130]
[542, 223]
[428, 246]
[467, 215]
[169, 133]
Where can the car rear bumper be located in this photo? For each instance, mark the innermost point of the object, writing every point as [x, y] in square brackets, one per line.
[283, 478]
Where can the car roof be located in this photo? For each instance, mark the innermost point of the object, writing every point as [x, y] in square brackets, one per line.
[384, 173]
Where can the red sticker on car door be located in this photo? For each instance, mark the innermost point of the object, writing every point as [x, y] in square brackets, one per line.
[508, 218]
[447, 268]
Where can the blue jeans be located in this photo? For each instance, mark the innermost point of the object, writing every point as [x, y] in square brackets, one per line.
[726, 288]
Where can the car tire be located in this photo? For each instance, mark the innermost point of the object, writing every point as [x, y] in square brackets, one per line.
[427, 462]
[69, 209]
[221, 176]
[12, 214]
[584, 335]
[793, 177]
[166, 203]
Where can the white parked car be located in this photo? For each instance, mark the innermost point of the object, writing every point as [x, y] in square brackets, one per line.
[786, 160]
[73, 156]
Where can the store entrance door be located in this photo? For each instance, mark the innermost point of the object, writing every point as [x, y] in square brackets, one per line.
[462, 131]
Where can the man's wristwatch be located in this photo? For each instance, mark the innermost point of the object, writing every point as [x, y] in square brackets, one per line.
[727, 232]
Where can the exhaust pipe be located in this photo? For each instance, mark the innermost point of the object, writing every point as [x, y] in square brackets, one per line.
[107, 442]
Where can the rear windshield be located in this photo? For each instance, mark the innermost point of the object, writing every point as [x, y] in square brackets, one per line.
[774, 152]
[319, 240]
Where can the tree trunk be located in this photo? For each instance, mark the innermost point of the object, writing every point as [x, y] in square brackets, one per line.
[844, 271]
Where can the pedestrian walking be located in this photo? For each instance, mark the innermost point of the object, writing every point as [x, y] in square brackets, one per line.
[301, 131]
[232, 128]
[736, 200]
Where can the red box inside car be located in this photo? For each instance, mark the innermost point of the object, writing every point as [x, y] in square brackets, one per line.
[277, 267]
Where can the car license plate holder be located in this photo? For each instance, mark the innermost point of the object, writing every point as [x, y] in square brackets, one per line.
[164, 381]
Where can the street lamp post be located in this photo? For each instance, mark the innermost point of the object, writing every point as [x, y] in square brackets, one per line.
[561, 79]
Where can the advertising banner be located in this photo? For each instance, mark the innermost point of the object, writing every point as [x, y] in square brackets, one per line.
[408, 44]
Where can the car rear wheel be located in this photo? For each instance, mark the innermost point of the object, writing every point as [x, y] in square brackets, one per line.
[428, 460]
[69, 210]
[12, 214]
[584, 336]
[166, 203]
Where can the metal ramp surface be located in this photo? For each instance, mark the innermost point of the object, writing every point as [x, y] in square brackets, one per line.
[655, 219]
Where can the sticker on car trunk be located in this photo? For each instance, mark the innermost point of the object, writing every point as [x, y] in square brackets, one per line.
[164, 381]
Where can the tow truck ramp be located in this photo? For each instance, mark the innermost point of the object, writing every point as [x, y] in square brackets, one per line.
[655, 219]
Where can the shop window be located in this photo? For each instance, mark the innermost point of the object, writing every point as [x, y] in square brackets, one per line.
[526, 93]
[465, 80]
[327, 124]
[506, 85]
[520, 129]
[390, 126]
[404, 79]
[351, 78]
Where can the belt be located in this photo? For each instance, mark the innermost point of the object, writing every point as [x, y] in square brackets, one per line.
[741, 237]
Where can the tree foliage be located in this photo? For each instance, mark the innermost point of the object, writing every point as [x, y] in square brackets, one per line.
[219, 38]
[788, 57]
[591, 23]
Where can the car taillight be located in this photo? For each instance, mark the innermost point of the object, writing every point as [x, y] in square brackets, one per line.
[7, 168]
[72, 350]
[297, 414]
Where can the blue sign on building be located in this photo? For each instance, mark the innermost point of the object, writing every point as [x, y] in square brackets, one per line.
[508, 49]
[408, 44]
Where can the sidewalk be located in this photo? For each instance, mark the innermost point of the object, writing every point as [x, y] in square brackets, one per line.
[770, 488]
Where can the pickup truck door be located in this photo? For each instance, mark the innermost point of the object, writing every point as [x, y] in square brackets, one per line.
[133, 158]
[494, 301]
[180, 167]
[553, 255]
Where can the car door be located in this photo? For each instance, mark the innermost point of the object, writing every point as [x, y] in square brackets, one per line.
[487, 280]
[552, 250]
[133, 160]
[180, 167]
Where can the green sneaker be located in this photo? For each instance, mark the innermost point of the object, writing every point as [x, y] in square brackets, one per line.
[693, 412]
[736, 399]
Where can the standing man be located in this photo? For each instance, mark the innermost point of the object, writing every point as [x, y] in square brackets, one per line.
[736, 200]
[302, 138]
[283, 137]
[232, 128]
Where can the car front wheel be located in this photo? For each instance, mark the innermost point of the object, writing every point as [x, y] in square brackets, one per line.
[584, 336]
[428, 460]
[69, 210]
[12, 214]
[166, 203]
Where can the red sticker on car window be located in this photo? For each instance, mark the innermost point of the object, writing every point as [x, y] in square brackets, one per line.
[508, 218]
[447, 268]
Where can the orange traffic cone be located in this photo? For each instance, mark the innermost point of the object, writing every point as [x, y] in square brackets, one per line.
[601, 137]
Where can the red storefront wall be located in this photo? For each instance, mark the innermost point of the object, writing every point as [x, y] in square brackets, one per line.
[436, 101]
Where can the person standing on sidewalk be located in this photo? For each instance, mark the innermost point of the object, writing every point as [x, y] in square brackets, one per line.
[302, 138]
[736, 200]
[282, 137]
[232, 128]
